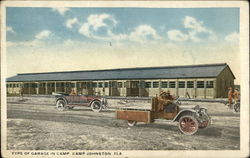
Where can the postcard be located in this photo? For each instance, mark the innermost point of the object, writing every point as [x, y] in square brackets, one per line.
[124, 79]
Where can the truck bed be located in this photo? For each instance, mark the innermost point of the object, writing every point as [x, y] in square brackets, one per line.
[131, 114]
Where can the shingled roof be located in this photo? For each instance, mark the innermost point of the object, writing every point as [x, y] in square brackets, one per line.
[166, 72]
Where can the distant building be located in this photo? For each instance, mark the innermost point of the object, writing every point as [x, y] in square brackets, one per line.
[194, 81]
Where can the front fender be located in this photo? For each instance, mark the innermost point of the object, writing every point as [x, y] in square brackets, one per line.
[183, 112]
[62, 98]
[94, 100]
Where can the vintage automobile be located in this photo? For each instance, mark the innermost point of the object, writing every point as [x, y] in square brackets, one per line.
[68, 101]
[190, 117]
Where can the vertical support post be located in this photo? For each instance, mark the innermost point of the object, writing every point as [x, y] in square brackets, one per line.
[159, 87]
[29, 84]
[76, 87]
[177, 87]
[139, 86]
[46, 88]
[215, 89]
[111, 88]
[195, 88]
[205, 89]
[55, 87]
[37, 87]
[186, 88]
[65, 87]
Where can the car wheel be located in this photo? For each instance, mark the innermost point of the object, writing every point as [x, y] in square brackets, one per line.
[188, 125]
[96, 106]
[205, 123]
[131, 123]
[237, 107]
[60, 105]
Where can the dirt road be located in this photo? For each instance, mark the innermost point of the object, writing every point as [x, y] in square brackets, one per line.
[39, 127]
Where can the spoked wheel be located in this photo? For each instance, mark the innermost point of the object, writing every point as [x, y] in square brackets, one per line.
[205, 123]
[188, 125]
[131, 123]
[96, 106]
[237, 107]
[60, 105]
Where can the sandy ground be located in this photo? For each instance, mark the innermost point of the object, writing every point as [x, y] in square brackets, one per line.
[35, 124]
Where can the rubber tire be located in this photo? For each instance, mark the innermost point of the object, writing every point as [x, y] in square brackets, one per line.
[131, 123]
[188, 117]
[95, 103]
[208, 123]
[60, 105]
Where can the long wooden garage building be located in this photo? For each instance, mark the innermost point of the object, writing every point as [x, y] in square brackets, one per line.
[194, 81]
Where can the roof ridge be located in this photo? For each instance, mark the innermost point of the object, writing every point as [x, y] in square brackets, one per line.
[135, 68]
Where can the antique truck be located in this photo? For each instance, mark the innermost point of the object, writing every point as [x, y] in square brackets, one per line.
[190, 118]
[69, 101]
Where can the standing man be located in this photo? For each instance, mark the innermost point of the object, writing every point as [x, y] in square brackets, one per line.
[236, 95]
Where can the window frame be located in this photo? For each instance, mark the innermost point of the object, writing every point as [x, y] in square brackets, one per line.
[148, 84]
[199, 85]
[209, 85]
[189, 85]
[155, 84]
[164, 83]
[182, 85]
[170, 85]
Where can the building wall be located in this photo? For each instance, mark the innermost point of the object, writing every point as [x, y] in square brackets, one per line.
[189, 88]
[224, 80]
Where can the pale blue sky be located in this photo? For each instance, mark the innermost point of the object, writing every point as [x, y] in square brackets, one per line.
[61, 39]
[27, 22]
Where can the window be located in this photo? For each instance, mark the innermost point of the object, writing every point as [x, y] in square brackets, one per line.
[7, 85]
[164, 84]
[89, 85]
[67, 84]
[148, 84]
[100, 84]
[53, 84]
[200, 84]
[126, 84]
[79, 85]
[106, 84]
[190, 84]
[43, 84]
[134, 84]
[94, 85]
[155, 84]
[33, 85]
[58, 84]
[181, 84]
[72, 85]
[84, 85]
[210, 84]
[114, 84]
[14, 85]
[142, 84]
[119, 84]
[172, 84]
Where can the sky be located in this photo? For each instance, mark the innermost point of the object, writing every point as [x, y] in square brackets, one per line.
[67, 39]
